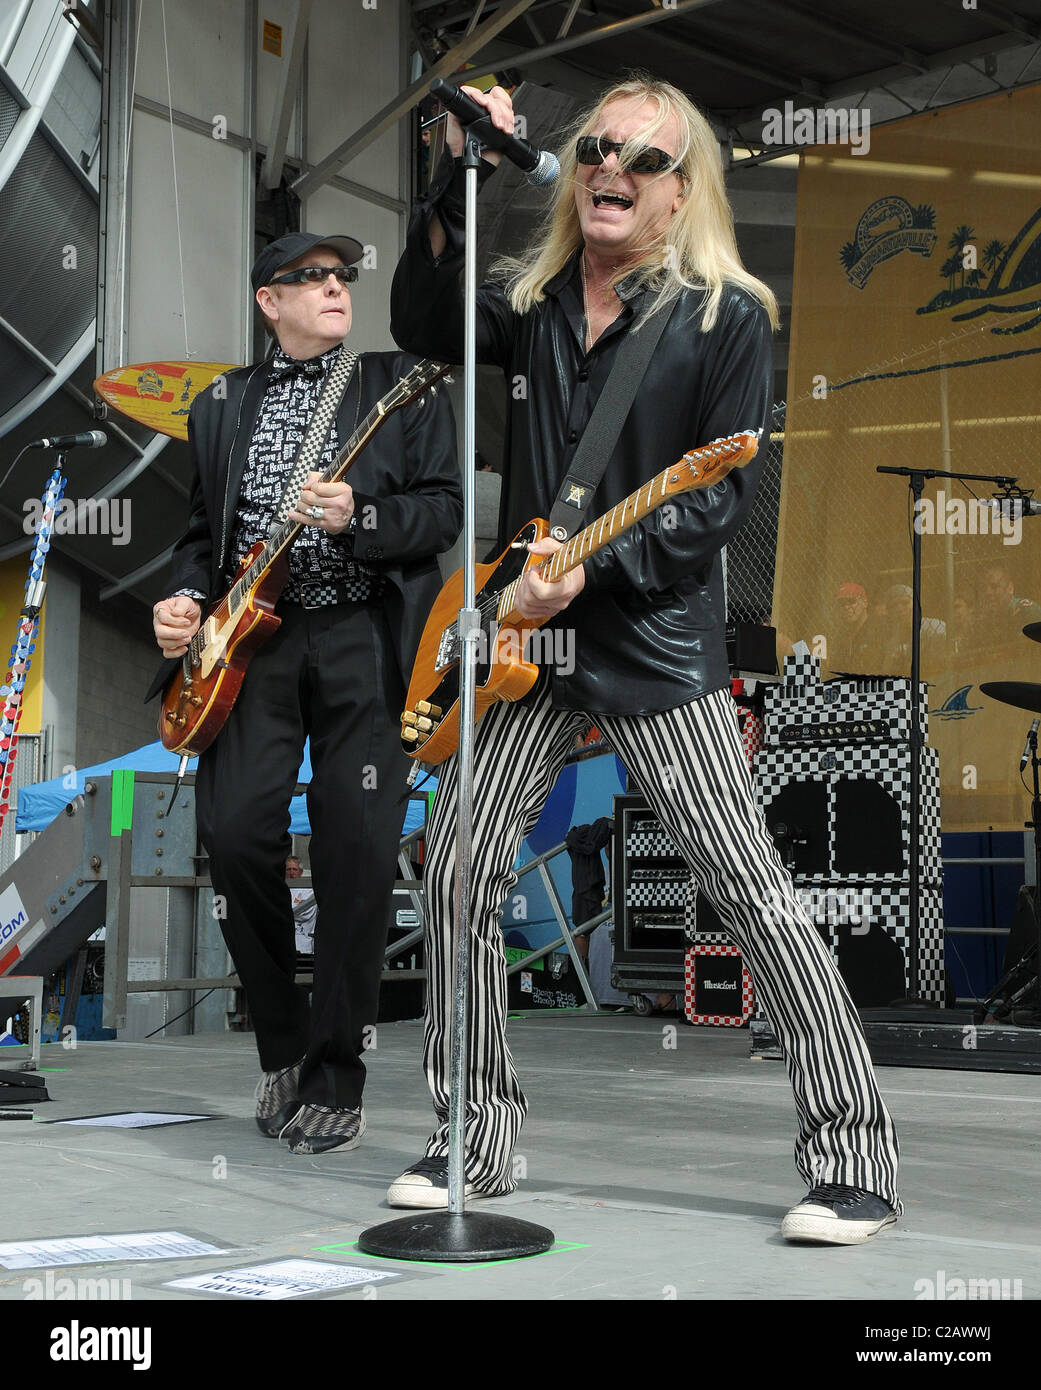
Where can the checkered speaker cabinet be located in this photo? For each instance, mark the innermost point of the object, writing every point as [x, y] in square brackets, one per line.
[834, 784]
[717, 989]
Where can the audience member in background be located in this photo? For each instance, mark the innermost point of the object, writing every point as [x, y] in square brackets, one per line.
[305, 907]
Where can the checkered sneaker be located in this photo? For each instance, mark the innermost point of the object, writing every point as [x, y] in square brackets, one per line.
[276, 1099]
[317, 1129]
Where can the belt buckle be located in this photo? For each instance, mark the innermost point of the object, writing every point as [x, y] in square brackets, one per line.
[304, 601]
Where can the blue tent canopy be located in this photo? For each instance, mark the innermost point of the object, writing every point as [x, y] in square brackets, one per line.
[40, 803]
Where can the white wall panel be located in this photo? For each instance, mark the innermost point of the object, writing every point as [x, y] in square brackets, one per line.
[354, 68]
[329, 211]
[207, 43]
[211, 181]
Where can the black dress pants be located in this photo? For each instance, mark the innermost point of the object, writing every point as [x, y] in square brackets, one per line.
[331, 673]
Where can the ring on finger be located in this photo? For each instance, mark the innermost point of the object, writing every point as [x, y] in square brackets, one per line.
[316, 513]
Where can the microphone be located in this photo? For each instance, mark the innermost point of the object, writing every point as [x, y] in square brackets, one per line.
[1031, 742]
[1013, 507]
[91, 439]
[540, 165]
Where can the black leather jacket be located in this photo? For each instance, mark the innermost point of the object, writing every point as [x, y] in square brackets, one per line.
[406, 489]
[650, 623]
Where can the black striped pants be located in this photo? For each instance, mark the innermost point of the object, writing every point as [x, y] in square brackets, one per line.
[690, 766]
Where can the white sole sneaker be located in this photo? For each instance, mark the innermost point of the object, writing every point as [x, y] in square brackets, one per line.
[418, 1191]
[810, 1222]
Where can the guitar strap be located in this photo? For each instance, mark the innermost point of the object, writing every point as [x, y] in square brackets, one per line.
[605, 424]
[317, 433]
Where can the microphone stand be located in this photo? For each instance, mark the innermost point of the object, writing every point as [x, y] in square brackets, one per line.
[916, 481]
[28, 623]
[456, 1234]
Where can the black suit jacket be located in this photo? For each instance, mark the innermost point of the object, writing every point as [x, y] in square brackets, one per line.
[407, 491]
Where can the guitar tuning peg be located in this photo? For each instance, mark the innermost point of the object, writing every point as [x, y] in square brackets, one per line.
[409, 735]
[409, 717]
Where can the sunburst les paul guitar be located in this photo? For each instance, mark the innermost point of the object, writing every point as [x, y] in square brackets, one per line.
[200, 696]
[430, 723]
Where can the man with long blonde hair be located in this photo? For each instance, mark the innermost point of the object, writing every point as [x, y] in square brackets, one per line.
[640, 224]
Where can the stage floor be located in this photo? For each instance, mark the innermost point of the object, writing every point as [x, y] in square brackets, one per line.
[664, 1170]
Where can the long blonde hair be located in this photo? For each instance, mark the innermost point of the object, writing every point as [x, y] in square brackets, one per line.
[698, 249]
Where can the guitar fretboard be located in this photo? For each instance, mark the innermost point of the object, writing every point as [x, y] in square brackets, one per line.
[679, 477]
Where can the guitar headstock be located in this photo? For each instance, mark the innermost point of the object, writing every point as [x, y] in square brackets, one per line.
[422, 376]
[714, 461]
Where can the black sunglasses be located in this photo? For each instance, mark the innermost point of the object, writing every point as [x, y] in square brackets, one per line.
[594, 149]
[317, 275]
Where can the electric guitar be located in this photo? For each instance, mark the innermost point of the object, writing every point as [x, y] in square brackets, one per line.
[430, 723]
[200, 696]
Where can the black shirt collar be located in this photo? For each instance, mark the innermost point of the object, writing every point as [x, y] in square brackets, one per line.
[628, 290]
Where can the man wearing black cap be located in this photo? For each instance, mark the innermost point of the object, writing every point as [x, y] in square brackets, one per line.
[362, 576]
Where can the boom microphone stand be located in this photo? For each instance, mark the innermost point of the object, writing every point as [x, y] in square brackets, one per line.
[916, 481]
[458, 1235]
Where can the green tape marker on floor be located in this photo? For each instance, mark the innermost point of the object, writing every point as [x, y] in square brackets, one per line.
[558, 1248]
[122, 799]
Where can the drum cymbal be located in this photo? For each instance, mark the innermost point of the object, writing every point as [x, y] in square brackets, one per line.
[1022, 694]
[1033, 631]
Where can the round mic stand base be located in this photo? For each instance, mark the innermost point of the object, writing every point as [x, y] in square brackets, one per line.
[456, 1237]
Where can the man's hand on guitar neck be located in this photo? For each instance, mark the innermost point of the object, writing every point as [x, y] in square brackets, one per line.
[538, 600]
[175, 621]
[333, 503]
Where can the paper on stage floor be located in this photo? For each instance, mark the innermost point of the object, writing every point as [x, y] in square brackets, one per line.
[280, 1279]
[133, 1119]
[88, 1250]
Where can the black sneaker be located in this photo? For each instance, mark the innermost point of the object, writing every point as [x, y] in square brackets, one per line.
[425, 1185]
[276, 1099]
[319, 1129]
[837, 1215]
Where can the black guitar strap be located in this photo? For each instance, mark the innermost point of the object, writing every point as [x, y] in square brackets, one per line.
[605, 424]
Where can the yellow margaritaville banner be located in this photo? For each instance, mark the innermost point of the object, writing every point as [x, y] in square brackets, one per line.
[916, 342]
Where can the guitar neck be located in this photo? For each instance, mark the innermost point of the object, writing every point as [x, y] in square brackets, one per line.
[605, 528]
[697, 468]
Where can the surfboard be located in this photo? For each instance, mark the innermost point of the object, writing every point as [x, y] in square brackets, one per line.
[158, 394]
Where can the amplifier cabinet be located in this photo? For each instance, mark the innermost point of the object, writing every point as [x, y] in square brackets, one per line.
[848, 807]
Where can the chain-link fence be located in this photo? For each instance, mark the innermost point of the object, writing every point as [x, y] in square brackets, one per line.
[751, 555]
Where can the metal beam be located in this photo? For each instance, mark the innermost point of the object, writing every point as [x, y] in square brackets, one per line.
[569, 19]
[858, 33]
[394, 110]
[735, 63]
[475, 17]
[607, 31]
[859, 81]
[240, 142]
[1014, 23]
[288, 82]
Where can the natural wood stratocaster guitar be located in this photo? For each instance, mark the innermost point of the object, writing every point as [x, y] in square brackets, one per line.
[200, 696]
[430, 724]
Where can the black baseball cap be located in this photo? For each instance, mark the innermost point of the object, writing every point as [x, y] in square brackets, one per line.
[287, 248]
